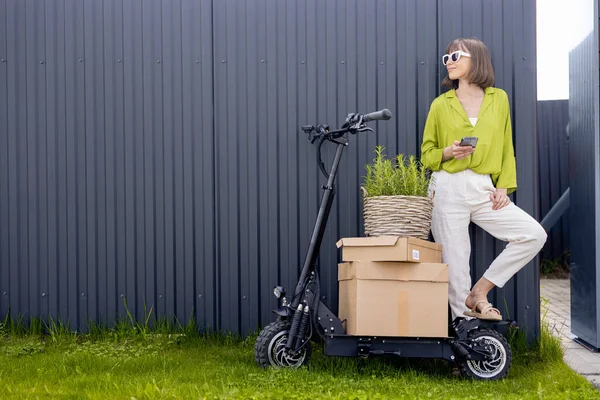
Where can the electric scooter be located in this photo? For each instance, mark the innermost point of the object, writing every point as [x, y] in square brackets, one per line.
[478, 347]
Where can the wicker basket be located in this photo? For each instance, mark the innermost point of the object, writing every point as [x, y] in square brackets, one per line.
[397, 215]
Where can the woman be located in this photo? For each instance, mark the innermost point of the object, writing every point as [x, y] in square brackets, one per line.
[473, 183]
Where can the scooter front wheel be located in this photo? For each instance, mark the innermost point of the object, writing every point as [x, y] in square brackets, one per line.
[270, 351]
[497, 364]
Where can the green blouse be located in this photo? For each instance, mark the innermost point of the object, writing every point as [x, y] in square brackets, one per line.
[494, 155]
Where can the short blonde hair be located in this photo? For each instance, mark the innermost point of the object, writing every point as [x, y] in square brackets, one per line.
[481, 72]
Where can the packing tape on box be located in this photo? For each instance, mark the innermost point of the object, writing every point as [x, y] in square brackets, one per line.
[403, 317]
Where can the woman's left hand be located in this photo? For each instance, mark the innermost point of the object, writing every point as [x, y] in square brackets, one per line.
[499, 199]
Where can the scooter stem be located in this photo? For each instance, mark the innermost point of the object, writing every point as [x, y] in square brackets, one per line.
[320, 224]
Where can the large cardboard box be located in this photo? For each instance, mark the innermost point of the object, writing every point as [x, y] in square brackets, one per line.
[394, 298]
[390, 248]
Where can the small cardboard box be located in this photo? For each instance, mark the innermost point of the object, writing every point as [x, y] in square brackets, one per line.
[394, 298]
[390, 248]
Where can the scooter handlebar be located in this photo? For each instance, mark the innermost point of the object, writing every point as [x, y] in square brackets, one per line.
[384, 114]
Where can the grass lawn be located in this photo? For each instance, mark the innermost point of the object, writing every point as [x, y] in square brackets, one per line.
[127, 365]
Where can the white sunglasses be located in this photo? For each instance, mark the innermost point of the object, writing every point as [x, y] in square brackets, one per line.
[455, 56]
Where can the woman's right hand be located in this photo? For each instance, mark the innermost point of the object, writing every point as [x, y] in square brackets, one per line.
[457, 151]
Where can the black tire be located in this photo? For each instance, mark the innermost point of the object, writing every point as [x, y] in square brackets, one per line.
[488, 370]
[269, 349]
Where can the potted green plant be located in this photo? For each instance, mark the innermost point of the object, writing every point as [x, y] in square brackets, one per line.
[395, 197]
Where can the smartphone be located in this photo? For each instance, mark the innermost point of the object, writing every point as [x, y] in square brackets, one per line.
[469, 141]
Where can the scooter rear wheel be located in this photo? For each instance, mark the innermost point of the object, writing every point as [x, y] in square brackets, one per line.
[497, 365]
[269, 349]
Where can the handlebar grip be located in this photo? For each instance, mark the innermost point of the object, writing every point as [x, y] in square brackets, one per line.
[384, 114]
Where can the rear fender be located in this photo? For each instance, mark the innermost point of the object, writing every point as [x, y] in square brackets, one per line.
[463, 326]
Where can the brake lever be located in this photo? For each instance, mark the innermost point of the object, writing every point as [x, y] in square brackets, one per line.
[360, 127]
[350, 119]
[317, 132]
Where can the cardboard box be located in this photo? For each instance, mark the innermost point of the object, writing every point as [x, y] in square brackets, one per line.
[390, 248]
[394, 298]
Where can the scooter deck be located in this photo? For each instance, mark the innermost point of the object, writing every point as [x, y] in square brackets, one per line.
[343, 345]
[411, 347]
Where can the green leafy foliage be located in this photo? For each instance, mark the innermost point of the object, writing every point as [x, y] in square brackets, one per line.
[404, 176]
[559, 267]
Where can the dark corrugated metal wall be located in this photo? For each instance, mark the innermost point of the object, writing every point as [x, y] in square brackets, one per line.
[152, 149]
[584, 174]
[553, 154]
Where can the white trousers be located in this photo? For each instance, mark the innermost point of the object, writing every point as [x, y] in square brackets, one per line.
[462, 197]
